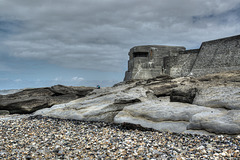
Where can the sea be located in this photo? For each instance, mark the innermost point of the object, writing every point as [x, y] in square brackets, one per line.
[9, 91]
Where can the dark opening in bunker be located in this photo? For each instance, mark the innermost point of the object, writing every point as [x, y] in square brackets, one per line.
[140, 54]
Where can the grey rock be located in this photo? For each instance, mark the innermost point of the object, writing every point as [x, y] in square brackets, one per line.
[185, 95]
[225, 122]
[138, 102]
[126, 100]
[163, 90]
[66, 90]
[4, 112]
[14, 116]
[161, 86]
[30, 100]
[199, 132]
[219, 97]
[163, 116]
[96, 107]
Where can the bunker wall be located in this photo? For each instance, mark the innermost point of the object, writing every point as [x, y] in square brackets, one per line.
[184, 63]
[217, 56]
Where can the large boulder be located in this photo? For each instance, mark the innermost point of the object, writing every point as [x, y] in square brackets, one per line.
[30, 100]
[66, 90]
[227, 97]
[219, 90]
[162, 116]
[225, 122]
[181, 118]
[96, 107]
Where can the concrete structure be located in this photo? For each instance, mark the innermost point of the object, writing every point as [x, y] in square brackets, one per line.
[213, 56]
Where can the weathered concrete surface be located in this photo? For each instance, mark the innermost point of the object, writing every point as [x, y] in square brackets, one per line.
[151, 61]
[139, 102]
[218, 56]
[30, 100]
[184, 63]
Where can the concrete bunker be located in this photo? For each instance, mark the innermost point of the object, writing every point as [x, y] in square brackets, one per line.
[214, 56]
[150, 61]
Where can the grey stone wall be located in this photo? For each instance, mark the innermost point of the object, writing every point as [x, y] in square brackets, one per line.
[184, 63]
[217, 56]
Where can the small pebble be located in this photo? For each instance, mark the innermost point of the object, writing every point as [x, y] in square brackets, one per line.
[49, 138]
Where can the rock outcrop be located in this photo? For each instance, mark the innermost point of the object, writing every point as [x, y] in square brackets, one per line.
[164, 116]
[221, 122]
[99, 106]
[30, 100]
[204, 105]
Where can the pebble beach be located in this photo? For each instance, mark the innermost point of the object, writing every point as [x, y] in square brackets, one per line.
[48, 138]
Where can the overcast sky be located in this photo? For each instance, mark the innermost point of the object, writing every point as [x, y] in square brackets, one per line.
[86, 42]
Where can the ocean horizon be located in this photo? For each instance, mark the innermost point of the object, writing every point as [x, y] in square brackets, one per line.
[9, 91]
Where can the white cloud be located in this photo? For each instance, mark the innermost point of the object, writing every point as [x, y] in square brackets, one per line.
[77, 79]
[98, 34]
[57, 79]
[18, 80]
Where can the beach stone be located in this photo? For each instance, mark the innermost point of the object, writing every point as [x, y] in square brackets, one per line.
[38, 137]
[4, 112]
